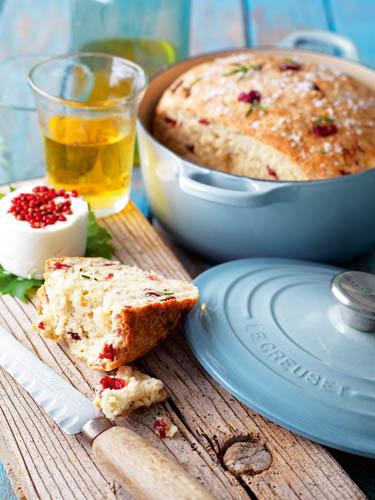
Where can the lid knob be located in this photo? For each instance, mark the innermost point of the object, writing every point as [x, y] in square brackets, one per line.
[355, 291]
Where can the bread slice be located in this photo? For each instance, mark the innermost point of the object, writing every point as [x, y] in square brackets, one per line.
[107, 312]
[128, 390]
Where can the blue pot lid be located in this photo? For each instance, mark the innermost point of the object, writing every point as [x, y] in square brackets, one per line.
[273, 334]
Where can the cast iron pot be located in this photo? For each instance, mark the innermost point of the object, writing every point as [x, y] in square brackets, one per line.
[223, 216]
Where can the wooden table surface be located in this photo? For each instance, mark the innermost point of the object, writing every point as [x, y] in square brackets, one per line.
[218, 24]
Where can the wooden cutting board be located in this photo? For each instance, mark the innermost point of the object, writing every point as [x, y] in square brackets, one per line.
[45, 463]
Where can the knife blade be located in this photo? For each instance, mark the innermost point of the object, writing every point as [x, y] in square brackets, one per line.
[63, 403]
[142, 469]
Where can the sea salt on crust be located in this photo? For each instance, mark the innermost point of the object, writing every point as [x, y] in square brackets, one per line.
[201, 118]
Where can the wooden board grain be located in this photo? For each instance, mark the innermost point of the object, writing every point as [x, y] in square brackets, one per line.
[45, 463]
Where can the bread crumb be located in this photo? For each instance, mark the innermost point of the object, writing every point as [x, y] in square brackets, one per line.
[137, 390]
[163, 427]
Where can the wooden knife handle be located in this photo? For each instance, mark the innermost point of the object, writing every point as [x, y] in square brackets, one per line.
[143, 470]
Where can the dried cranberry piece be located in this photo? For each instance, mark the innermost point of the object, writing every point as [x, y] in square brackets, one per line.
[323, 127]
[161, 426]
[272, 172]
[190, 147]
[290, 64]
[60, 265]
[153, 277]
[170, 121]
[112, 383]
[251, 97]
[153, 294]
[109, 276]
[175, 87]
[41, 325]
[204, 121]
[109, 352]
[324, 130]
[74, 335]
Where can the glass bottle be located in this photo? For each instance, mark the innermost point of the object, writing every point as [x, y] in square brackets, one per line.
[152, 33]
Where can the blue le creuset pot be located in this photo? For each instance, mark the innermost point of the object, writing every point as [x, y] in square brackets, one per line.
[223, 216]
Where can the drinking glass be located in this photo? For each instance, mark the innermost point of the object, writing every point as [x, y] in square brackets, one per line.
[87, 105]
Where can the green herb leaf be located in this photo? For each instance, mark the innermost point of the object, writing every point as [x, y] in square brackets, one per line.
[324, 120]
[165, 292]
[194, 83]
[242, 69]
[89, 277]
[289, 60]
[17, 287]
[255, 105]
[98, 239]
[187, 89]
[11, 189]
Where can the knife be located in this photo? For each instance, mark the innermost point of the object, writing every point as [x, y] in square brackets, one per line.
[139, 467]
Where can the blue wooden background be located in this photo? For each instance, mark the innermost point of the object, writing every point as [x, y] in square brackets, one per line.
[215, 24]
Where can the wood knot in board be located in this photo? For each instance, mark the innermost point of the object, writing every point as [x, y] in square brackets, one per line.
[247, 457]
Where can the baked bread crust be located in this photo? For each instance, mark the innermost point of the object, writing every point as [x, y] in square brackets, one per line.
[205, 116]
[133, 329]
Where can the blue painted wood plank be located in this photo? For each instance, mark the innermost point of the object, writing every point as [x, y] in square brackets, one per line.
[30, 27]
[268, 21]
[215, 25]
[6, 490]
[356, 20]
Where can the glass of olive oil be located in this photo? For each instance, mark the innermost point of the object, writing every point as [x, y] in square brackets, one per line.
[87, 105]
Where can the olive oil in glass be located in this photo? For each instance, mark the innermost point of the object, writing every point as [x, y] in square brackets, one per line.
[93, 156]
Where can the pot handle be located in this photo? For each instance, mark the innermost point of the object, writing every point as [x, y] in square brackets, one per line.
[227, 189]
[346, 47]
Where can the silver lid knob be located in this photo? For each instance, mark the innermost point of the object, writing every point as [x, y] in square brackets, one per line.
[355, 291]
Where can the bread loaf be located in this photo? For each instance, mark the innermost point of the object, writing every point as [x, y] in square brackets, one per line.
[269, 118]
[109, 313]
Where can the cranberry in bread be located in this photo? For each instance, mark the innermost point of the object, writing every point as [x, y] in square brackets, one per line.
[269, 118]
[109, 313]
